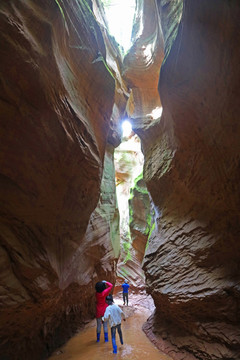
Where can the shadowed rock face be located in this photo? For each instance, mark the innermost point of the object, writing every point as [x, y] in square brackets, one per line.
[192, 172]
[57, 96]
[59, 222]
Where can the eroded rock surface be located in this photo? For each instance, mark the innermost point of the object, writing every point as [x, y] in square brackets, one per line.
[141, 67]
[192, 172]
[141, 221]
[129, 164]
[61, 96]
[141, 224]
[142, 64]
[57, 123]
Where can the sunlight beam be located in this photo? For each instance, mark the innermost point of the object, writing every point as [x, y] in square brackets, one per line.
[126, 128]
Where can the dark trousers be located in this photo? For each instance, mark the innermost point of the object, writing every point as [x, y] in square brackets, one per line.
[113, 334]
[125, 298]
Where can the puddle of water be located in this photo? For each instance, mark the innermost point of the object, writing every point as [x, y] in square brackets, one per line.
[137, 346]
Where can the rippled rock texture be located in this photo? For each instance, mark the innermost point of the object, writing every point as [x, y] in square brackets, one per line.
[61, 96]
[192, 156]
[58, 119]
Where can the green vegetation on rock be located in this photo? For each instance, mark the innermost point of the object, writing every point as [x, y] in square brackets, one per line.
[61, 9]
[149, 235]
[139, 190]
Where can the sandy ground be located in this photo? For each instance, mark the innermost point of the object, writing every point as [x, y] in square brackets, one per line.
[83, 346]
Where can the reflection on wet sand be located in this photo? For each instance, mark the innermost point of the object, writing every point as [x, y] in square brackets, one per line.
[83, 346]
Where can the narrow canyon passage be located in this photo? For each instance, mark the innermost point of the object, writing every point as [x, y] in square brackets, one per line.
[82, 201]
[136, 345]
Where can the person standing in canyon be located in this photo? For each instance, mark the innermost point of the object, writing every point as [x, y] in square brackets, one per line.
[125, 287]
[113, 315]
[103, 288]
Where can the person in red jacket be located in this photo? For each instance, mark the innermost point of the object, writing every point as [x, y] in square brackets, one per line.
[103, 288]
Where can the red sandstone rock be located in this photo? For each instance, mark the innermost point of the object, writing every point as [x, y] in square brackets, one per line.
[57, 97]
[141, 65]
[59, 106]
[192, 173]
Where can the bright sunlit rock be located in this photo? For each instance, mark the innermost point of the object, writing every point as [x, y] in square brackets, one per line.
[126, 128]
[120, 15]
[156, 113]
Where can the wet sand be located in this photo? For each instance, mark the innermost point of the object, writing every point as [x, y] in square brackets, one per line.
[137, 346]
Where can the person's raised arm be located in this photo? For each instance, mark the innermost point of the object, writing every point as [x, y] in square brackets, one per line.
[107, 291]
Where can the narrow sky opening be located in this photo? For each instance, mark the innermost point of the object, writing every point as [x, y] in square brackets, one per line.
[119, 14]
[126, 128]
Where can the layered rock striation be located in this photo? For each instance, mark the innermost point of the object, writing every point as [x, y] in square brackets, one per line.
[192, 172]
[58, 129]
[62, 93]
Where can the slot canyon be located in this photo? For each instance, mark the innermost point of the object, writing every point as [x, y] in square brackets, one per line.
[66, 87]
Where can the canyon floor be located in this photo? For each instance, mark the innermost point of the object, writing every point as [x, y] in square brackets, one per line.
[136, 345]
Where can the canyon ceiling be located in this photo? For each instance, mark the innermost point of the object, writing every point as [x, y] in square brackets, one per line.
[64, 87]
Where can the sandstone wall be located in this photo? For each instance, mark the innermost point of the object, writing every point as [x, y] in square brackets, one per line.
[192, 156]
[128, 163]
[141, 65]
[141, 216]
[57, 117]
[61, 96]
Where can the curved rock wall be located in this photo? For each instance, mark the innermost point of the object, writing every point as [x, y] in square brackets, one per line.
[141, 216]
[192, 172]
[58, 120]
[61, 96]
[141, 224]
[141, 66]
[129, 163]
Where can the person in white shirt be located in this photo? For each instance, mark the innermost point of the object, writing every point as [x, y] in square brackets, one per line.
[113, 314]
